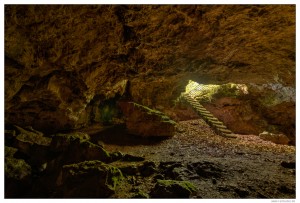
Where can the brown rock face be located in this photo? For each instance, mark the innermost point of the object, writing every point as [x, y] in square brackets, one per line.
[59, 58]
[89, 179]
[143, 121]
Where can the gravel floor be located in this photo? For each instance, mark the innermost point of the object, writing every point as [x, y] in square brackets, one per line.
[245, 167]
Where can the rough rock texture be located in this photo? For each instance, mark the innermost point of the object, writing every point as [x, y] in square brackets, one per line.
[67, 166]
[89, 179]
[60, 58]
[17, 174]
[143, 121]
[172, 189]
[249, 108]
[32, 144]
[216, 166]
[276, 138]
[74, 149]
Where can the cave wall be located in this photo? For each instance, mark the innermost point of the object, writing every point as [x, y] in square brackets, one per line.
[58, 58]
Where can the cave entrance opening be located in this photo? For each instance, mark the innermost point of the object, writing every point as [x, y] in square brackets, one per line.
[195, 94]
[207, 92]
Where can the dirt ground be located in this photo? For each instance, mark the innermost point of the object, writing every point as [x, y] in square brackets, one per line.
[245, 167]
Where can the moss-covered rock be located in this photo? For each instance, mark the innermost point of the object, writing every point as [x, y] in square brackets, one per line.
[17, 175]
[276, 138]
[140, 195]
[148, 168]
[33, 144]
[89, 179]
[16, 169]
[73, 148]
[173, 189]
[10, 151]
[144, 121]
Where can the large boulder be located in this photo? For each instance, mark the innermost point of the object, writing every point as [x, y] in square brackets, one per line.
[73, 148]
[143, 121]
[88, 179]
[33, 144]
[17, 174]
[173, 189]
[276, 138]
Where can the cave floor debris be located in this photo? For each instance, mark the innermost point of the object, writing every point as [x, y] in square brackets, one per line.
[245, 167]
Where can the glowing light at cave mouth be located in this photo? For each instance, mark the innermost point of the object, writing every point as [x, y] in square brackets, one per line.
[207, 92]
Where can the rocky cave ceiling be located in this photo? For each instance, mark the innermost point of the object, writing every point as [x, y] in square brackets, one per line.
[60, 60]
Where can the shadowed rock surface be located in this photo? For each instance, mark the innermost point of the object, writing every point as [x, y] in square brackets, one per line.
[92, 92]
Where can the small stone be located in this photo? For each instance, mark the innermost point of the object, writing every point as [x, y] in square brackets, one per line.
[241, 192]
[148, 168]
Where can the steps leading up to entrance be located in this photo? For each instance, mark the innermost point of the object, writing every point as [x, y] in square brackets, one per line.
[209, 118]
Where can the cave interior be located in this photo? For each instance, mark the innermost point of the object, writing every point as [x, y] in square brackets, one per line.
[150, 101]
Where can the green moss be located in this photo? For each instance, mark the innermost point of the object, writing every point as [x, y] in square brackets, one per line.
[270, 100]
[10, 151]
[116, 177]
[61, 142]
[108, 111]
[113, 174]
[149, 111]
[141, 195]
[16, 168]
[184, 184]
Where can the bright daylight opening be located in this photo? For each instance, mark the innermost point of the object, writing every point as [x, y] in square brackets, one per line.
[205, 93]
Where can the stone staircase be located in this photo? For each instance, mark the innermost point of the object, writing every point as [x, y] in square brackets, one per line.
[210, 119]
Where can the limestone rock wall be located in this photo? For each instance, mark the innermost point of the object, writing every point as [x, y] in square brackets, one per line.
[60, 57]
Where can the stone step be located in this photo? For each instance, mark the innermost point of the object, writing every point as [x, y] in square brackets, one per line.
[225, 131]
[197, 106]
[193, 101]
[232, 135]
[216, 121]
[207, 114]
[215, 124]
[202, 110]
[220, 126]
[213, 119]
[209, 118]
